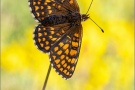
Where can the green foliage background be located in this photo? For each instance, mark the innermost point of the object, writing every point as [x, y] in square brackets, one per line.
[106, 60]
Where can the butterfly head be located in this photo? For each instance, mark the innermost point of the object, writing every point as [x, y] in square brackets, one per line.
[84, 17]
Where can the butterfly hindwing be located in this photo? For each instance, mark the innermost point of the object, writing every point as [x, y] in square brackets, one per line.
[64, 53]
[45, 37]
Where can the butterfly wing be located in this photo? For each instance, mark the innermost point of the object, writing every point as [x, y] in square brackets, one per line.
[65, 52]
[45, 8]
[45, 37]
[71, 5]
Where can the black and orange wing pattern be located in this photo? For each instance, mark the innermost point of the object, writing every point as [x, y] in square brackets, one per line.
[64, 53]
[45, 37]
[62, 41]
[45, 8]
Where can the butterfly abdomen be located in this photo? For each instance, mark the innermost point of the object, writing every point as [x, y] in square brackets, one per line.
[55, 19]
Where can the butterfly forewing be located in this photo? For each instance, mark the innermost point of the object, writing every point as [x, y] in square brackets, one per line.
[45, 8]
[64, 53]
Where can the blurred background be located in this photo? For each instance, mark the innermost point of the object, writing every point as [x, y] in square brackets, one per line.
[106, 60]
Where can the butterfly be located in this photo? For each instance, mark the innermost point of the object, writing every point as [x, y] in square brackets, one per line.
[59, 32]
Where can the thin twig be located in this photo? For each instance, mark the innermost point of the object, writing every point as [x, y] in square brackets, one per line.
[47, 76]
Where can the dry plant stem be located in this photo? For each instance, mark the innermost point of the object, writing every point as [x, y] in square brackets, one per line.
[47, 76]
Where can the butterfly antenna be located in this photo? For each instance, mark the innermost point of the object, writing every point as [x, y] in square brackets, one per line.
[89, 7]
[47, 76]
[91, 19]
[97, 25]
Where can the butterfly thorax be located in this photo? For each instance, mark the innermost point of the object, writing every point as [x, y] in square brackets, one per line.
[60, 19]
